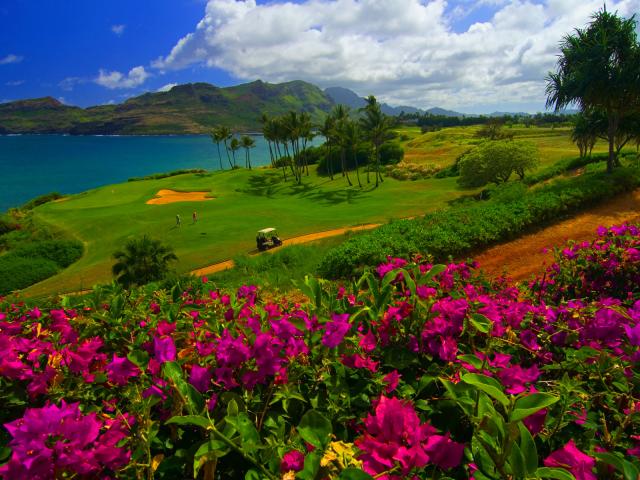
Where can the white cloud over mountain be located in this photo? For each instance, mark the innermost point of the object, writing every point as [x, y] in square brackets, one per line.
[115, 79]
[404, 51]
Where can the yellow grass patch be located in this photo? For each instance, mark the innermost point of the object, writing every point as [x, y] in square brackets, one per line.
[171, 196]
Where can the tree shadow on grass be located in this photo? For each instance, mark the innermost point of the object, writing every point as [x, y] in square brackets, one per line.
[348, 195]
[264, 185]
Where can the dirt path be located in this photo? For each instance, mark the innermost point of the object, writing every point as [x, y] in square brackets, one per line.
[219, 267]
[526, 256]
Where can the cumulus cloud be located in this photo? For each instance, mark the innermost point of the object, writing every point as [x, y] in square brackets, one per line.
[118, 29]
[11, 58]
[404, 51]
[113, 80]
[167, 87]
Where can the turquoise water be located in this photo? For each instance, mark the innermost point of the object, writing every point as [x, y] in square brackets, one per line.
[32, 165]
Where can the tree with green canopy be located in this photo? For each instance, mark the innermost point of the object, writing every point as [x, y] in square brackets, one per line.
[142, 260]
[599, 68]
[247, 143]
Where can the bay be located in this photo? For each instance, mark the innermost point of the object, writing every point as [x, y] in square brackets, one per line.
[32, 165]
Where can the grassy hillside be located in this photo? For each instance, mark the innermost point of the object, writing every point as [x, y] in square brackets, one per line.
[444, 146]
[245, 201]
[190, 108]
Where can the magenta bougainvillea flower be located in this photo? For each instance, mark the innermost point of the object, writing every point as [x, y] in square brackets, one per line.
[120, 370]
[395, 436]
[571, 458]
[164, 349]
[54, 439]
[335, 330]
[293, 460]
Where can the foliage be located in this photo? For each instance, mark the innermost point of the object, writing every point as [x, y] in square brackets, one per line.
[411, 171]
[598, 69]
[32, 262]
[414, 371]
[18, 272]
[41, 200]
[460, 229]
[142, 260]
[61, 252]
[496, 161]
[173, 173]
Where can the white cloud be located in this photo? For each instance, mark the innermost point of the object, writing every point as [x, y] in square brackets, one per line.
[14, 83]
[403, 51]
[69, 83]
[11, 58]
[118, 29]
[114, 79]
[166, 87]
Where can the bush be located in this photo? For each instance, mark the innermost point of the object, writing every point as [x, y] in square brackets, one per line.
[17, 272]
[41, 200]
[496, 161]
[158, 176]
[391, 153]
[6, 225]
[458, 230]
[61, 252]
[411, 171]
[563, 166]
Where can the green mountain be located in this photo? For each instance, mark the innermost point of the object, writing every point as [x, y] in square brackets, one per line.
[189, 108]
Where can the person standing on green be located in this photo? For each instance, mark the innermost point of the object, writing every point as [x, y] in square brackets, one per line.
[178, 222]
[194, 216]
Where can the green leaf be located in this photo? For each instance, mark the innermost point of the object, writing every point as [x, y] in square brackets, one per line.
[315, 429]
[196, 420]
[354, 474]
[628, 469]
[248, 433]
[208, 451]
[435, 270]
[528, 449]
[489, 385]
[526, 406]
[472, 360]
[311, 466]
[516, 461]
[173, 372]
[252, 475]
[556, 473]
[140, 358]
[232, 408]
[481, 323]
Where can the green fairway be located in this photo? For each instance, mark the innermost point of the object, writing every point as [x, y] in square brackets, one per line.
[444, 146]
[245, 201]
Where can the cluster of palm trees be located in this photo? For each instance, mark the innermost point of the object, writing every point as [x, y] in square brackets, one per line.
[232, 143]
[288, 136]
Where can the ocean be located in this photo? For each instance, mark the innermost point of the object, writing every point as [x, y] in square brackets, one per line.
[33, 165]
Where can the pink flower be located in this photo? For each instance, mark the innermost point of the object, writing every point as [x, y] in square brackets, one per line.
[335, 330]
[571, 458]
[200, 378]
[120, 369]
[293, 460]
[391, 379]
[164, 349]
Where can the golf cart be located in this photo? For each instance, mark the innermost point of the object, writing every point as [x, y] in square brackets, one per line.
[267, 238]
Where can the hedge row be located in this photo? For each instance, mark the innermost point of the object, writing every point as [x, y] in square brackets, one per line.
[34, 262]
[458, 230]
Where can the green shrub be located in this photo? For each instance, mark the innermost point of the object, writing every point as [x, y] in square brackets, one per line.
[41, 200]
[7, 225]
[158, 176]
[391, 153]
[18, 272]
[61, 252]
[458, 230]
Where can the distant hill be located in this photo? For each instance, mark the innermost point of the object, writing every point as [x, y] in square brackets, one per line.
[350, 98]
[189, 108]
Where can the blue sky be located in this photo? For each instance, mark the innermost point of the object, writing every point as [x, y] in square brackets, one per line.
[474, 56]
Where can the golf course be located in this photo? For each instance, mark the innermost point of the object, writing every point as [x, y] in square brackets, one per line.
[233, 205]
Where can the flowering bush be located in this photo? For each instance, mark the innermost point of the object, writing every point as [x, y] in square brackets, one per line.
[414, 371]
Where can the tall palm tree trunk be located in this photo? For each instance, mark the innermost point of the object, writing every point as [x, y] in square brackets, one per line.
[226, 147]
[219, 155]
[355, 159]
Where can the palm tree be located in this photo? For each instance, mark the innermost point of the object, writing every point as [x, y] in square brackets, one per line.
[142, 260]
[599, 69]
[225, 134]
[327, 130]
[377, 129]
[340, 114]
[247, 143]
[585, 133]
[217, 138]
[234, 146]
[269, 135]
[350, 134]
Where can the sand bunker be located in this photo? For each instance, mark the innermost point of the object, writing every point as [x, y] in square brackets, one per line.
[171, 196]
